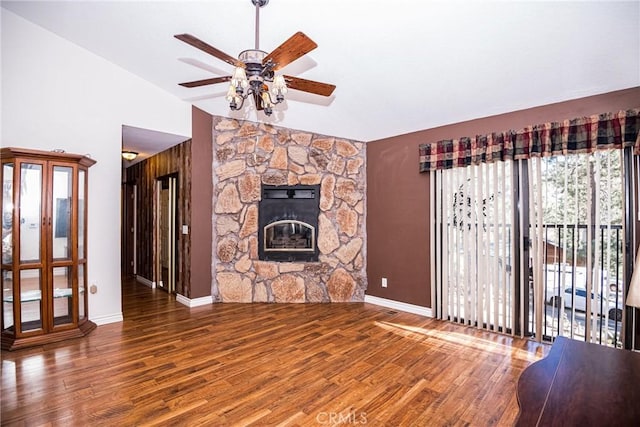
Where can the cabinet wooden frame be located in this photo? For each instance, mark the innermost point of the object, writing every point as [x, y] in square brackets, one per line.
[70, 299]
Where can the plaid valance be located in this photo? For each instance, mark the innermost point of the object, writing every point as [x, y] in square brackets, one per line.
[581, 135]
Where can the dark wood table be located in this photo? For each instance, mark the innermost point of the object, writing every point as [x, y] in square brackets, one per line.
[581, 384]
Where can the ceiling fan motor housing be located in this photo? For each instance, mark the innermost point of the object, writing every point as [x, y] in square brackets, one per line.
[252, 56]
[254, 68]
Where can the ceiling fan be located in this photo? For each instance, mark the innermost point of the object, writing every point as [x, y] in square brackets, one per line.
[255, 68]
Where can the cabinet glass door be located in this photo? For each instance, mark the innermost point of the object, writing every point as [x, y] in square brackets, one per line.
[82, 293]
[30, 300]
[7, 213]
[7, 301]
[62, 296]
[30, 212]
[30, 285]
[61, 224]
[81, 213]
[7, 247]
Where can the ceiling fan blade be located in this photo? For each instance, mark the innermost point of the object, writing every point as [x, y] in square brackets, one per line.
[324, 89]
[206, 81]
[196, 42]
[293, 48]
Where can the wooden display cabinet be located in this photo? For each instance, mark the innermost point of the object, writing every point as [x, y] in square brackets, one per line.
[44, 247]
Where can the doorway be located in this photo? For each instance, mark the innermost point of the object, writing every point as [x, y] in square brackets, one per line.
[128, 266]
[166, 232]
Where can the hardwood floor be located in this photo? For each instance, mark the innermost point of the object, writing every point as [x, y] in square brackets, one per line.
[264, 365]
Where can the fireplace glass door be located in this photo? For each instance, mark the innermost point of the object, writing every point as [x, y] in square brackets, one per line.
[289, 235]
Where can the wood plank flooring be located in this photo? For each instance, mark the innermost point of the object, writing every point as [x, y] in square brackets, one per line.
[267, 365]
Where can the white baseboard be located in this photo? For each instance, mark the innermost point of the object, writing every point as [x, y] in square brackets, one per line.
[397, 305]
[146, 282]
[195, 302]
[104, 320]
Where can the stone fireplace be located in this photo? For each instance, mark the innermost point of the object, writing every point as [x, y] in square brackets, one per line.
[316, 256]
[288, 223]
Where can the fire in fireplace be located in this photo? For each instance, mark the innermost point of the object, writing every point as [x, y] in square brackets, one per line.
[288, 223]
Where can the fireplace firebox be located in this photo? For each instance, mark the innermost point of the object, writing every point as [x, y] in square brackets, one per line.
[288, 223]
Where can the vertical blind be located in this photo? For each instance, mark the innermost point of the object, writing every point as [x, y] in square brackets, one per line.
[473, 246]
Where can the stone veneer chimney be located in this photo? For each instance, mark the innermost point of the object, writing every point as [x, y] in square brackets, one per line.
[248, 154]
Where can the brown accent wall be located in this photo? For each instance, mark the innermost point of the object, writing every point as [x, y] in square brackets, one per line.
[397, 222]
[398, 195]
[144, 174]
[201, 203]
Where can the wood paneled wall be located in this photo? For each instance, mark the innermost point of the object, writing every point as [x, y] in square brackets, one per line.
[175, 160]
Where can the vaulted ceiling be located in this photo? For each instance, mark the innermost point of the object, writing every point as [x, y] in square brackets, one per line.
[399, 66]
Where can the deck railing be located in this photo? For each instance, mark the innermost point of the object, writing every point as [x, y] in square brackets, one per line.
[568, 311]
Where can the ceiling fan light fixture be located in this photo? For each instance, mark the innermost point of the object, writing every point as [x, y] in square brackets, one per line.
[129, 155]
[239, 80]
[267, 105]
[258, 88]
[266, 99]
[279, 88]
[233, 98]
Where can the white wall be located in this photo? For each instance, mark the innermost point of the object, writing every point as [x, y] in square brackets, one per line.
[58, 95]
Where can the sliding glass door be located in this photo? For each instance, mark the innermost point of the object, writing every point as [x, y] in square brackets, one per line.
[534, 247]
[579, 212]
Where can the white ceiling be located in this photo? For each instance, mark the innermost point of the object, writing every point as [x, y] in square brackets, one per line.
[399, 66]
